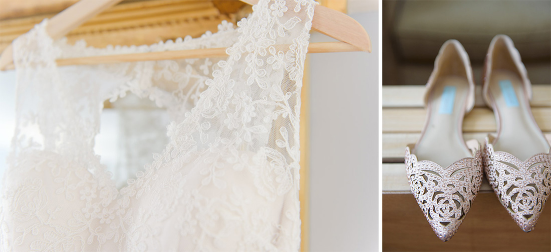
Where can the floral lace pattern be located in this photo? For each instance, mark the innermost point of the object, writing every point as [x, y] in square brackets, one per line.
[227, 180]
[444, 195]
[522, 187]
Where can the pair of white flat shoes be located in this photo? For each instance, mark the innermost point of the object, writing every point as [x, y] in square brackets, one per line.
[445, 172]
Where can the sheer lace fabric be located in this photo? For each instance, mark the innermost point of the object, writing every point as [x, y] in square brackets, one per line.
[228, 178]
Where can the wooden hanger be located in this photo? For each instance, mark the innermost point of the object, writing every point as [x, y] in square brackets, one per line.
[330, 22]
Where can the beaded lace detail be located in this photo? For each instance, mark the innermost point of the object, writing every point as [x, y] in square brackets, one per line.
[522, 187]
[444, 195]
[228, 179]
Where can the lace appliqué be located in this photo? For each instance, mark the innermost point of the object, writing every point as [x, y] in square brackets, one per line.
[228, 178]
[444, 195]
[522, 187]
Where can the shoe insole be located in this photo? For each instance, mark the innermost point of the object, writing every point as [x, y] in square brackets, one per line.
[442, 141]
[519, 134]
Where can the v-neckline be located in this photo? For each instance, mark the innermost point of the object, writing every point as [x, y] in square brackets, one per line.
[149, 170]
[149, 166]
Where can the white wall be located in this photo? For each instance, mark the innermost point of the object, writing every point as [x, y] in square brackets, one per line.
[344, 165]
[362, 6]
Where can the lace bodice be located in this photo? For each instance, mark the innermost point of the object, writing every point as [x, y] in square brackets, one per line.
[228, 178]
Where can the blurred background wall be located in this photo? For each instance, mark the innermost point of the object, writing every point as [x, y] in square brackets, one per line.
[344, 163]
[413, 32]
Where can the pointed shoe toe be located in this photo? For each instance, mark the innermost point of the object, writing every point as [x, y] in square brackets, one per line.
[526, 220]
[444, 194]
[523, 187]
[445, 230]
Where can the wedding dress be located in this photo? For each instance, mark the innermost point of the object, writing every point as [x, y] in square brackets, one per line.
[228, 178]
